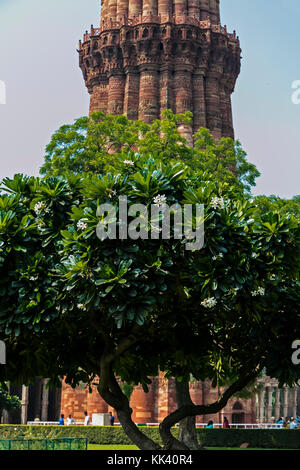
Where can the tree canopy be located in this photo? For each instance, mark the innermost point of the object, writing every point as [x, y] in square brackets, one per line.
[280, 205]
[77, 306]
[95, 144]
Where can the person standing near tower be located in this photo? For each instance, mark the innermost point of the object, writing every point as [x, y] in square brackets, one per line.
[87, 419]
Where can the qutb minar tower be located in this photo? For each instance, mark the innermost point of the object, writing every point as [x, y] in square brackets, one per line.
[151, 55]
[148, 56]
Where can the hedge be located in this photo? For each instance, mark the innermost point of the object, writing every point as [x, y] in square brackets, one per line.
[256, 438]
[95, 434]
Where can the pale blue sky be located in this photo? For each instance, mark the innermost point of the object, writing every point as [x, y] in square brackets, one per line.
[45, 89]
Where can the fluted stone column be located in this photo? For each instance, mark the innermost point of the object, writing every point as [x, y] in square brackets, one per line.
[24, 404]
[180, 7]
[213, 113]
[277, 403]
[204, 10]
[99, 97]
[122, 9]
[112, 10]
[45, 401]
[269, 404]
[134, 8]
[183, 91]
[294, 401]
[223, 107]
[150, 6]
[164, 7]
[227, 124]
[183, 88]
[166, 89]
[132, 89]
[214, 11]
[285, 401]
[116, 89]
[199, 106]
[149, 93]
[194, 9]
[261, 401]
[104, 12]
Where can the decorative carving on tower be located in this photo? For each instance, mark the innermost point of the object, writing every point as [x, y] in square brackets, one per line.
[151, 55]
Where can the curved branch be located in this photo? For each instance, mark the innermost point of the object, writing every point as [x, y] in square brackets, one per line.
[111, 392]
[194, 410]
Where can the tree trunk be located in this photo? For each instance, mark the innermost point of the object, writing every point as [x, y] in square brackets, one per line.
[131, 430]
[187, 426]
[111, 392]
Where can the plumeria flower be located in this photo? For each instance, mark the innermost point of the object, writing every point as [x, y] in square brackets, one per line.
[111, 192]
[258, 291]
[217, 203]
[221, 203]
[39, 207]
[209, 302]
[159, 200]
[40, 225]
[233, 291]
[128, 163]
[81, 306]
[219, 256]
[81, 225]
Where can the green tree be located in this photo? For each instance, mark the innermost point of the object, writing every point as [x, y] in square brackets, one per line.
[76, 306]
[276, 204]
[95, 145]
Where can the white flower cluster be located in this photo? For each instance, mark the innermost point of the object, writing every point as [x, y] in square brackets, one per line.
[32, 278]
[128, 163]
[209, 303]
[81, 225]
[40, 225]
[233, 291]
[160, 200]
[217, 203]
[39, 207]
[254, 255]
[111, 193]
[258, 291]
[81, 306]
[217, 257]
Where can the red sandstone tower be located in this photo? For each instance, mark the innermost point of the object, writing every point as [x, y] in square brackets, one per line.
[148, 56]
[151, 55]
